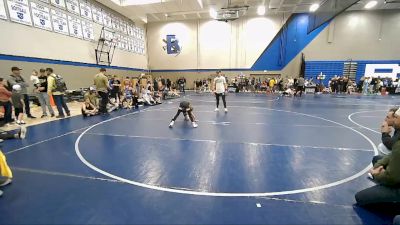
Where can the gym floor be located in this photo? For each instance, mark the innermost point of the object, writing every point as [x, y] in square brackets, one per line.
[269, 160]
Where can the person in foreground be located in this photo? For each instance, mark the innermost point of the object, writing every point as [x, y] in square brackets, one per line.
[386, 174]
[186, 108]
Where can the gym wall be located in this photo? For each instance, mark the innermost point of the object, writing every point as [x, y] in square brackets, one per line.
[210, 44]
[365, 37]
[352, 35]
[71, 57]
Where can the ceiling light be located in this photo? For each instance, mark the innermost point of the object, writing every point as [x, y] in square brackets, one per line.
[200, 3]
[261, 10]
[314, 7]
[370, 4]
[213, 13]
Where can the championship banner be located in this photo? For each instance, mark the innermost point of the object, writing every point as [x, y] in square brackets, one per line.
[117, 38]
[107, 20]
[135, 46]
[123, 27]
[97, 15]
[125, 43]
[41, 16]
[75, 28]
[130, 44]
[73, 6]
[88, 32]
[108, 36]
[115, 23]
[58, 3]
[86, 10]
[19, 11]
[130, 30]
[3, 14]
[60, 22]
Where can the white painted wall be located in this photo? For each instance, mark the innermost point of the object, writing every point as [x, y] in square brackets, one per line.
[356, 36]
[210, 44]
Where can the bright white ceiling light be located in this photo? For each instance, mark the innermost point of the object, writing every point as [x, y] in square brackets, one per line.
[261, 10]
[200, 3]
[213, 13]
[371, 4]
[314, 7]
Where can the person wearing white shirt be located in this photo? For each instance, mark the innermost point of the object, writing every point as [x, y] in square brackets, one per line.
[220, 87]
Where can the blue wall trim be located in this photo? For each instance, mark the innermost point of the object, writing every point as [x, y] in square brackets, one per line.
[287, 44]
[332, 68]
[383, 70]
[61, 62]
[201, 70]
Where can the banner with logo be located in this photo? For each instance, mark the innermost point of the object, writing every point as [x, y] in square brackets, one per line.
[130, 44]
[75, 28]
[117, 38]
[123, 27]
[60, 22]
[129, 30]
[3, 14]
[73, 6]
[125, 43]
[97, 15]
[115, 23]
[108, 36]
[86, 10]
[19, 11]
[58, 3]
[88, 32]
[41, 16]
[107, 20]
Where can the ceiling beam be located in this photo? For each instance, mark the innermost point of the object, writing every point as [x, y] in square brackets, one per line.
[155, 17]
[198, 15]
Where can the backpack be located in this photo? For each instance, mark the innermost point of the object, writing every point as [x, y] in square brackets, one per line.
[60, 84]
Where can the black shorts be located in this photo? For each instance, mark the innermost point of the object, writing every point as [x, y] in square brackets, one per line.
[18, 111]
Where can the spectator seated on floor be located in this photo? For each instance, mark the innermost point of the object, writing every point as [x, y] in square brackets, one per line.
[92, 96]
[288, 92]
[88, 109]
[157, 97]
[147, 97]
[112, 105]
[386, 129]
[130, 99]
[386, 174]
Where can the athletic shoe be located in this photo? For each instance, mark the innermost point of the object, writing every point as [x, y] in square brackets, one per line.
[7, 182]
[18, 122]
[43, 116]
[195, 124]
[60, 116]
[23, 122]
[216, 110]
[52, 115]
[171, 124]
[22, 133]
[68, 114]
[32, 117]
[226, 110]
[1, 140]
[1, 193]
